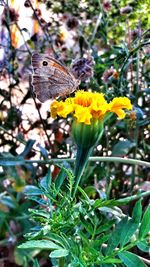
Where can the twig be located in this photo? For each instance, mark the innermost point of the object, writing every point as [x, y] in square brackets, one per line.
[58, 160]
[96, 26]
[25, 43]
[47, 35]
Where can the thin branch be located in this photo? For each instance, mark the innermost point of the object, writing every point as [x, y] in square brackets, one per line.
[47, 35]
[118, 160]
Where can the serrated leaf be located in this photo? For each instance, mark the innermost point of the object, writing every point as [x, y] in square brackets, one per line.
[39, 244]
[59, 253]
[130, 259]
[145, 224]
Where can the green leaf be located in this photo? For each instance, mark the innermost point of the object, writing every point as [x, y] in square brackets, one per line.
[111, 260]
[46, 181]
[100, 241]
[8, 202]
[130, 259]
[108, 265]
[36, 264]
[58, 239]
[43, 151]
[115, 238]
[127, 232]
[28, 147]
[137, 211]
[87, 226]
[145, 224]
[60, 179]
[32, 190]
[104, 227]
[59, 253]
[144, 246]
[39, 244]
[122, 148]
[83, 193]
[104, 203]
[40, 213]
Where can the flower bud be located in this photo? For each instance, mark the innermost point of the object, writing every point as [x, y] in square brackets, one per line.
[83, 68]
[125, 10]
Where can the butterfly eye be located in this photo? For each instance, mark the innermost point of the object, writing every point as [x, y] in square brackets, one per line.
[45, 63]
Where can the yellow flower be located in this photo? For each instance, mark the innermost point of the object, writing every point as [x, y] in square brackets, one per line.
[83, 114]
[61, 109]
[119, 103]
[89, 110]
[88, 106]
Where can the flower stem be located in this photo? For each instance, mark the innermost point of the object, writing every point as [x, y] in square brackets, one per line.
[61, 262]
[10, 161]
[81, 161]
[134, 197]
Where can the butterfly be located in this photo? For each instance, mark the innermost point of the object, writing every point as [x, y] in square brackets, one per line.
[50, 78]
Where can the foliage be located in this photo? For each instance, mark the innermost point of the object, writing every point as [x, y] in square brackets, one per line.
[86, 232]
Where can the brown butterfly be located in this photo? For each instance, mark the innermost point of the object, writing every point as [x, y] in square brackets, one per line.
[50, 78]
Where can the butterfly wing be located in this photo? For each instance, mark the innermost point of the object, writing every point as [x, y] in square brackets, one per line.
[50, 78]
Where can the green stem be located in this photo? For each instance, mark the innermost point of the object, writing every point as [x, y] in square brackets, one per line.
[135, 197]
[136, 130]
[20, 161]
[81, 161]
[61, 262]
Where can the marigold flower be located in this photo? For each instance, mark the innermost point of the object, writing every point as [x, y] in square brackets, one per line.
[119, 103]
[88, 106]
[89, 110]
[61, 109]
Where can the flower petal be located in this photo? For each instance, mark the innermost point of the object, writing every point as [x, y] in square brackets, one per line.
[119, 103]
[83, 114]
